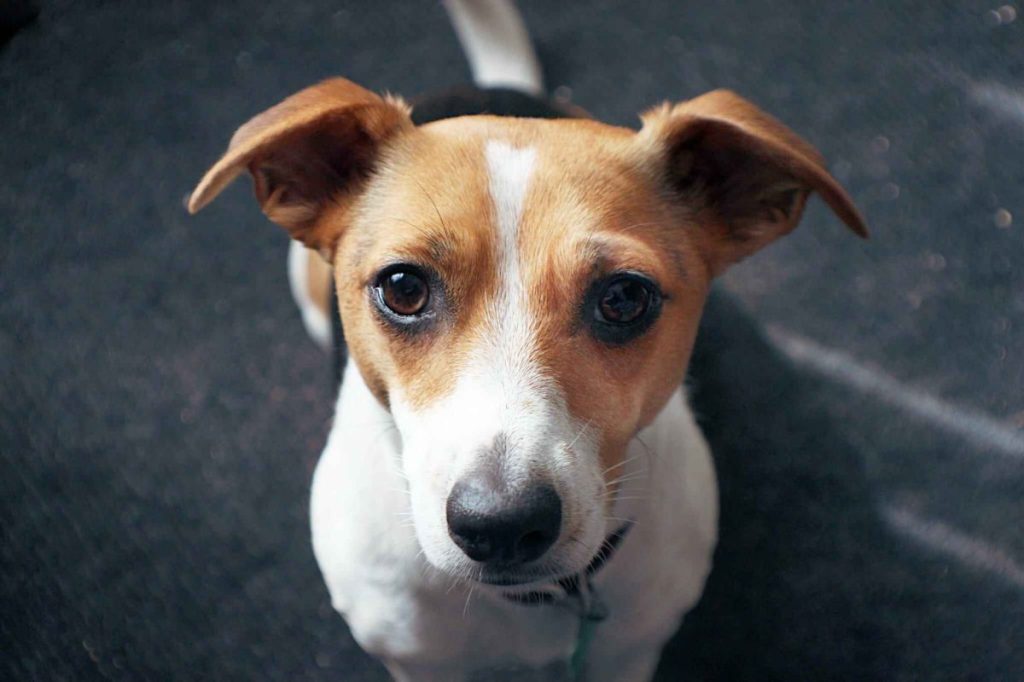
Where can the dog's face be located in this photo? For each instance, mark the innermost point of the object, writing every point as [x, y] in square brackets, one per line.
[518, 294]
[522, 294]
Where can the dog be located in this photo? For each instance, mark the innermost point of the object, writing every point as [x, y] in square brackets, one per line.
[514, 484]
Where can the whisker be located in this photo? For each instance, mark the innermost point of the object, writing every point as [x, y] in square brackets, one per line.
[469, 595]
[646, 447]
[419, 228]
[582, 429]
[621, 464]
[635, 226]
[434, 204]
[627, 477]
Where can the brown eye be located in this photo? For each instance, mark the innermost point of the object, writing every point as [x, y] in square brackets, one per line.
[624, 301]
[403, 291]
[622, 307]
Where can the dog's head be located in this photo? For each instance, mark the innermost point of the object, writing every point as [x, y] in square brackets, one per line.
[523, 295]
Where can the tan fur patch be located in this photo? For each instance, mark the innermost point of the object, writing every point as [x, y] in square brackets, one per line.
[428, 206]
[702, 185]
[590, 211]
[705, 183]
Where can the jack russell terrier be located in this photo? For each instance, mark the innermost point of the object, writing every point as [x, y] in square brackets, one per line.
[514, 483]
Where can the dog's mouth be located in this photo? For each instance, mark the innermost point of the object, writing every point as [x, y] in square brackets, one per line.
[528, 580]
[515, 578]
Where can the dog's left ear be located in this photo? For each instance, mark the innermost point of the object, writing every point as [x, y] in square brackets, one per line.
[743, 175]
[314, 148]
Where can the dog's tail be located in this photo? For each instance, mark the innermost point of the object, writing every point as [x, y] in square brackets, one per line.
[497, 44]
[309, 277]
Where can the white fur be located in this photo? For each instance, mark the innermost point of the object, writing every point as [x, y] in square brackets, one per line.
[501, 393]
[379, 493]
[426, 626]
[497, 44]
[313, 318]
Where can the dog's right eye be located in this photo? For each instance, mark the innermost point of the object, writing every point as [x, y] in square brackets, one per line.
[622, 307]
[403, 290]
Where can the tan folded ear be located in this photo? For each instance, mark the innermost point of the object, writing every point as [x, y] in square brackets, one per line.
[745, 176]
[317, 146]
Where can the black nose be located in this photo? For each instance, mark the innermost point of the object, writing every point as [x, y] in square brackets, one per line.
[497, 526]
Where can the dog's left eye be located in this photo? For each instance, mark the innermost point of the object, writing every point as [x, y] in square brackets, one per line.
[403, 291]
[623, 307]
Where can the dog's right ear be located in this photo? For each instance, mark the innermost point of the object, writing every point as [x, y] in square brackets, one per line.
[315, 147]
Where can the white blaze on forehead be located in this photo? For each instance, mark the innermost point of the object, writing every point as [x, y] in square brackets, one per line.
[502, 395]
[501, 392]
[501, 378]
[510, 344]
[509, 170]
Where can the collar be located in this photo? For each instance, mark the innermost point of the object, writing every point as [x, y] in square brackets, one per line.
[577, 593]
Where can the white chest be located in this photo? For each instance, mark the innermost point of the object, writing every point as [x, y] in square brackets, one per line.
[400, 608]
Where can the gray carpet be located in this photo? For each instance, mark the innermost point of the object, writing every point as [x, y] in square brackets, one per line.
[161, 408]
